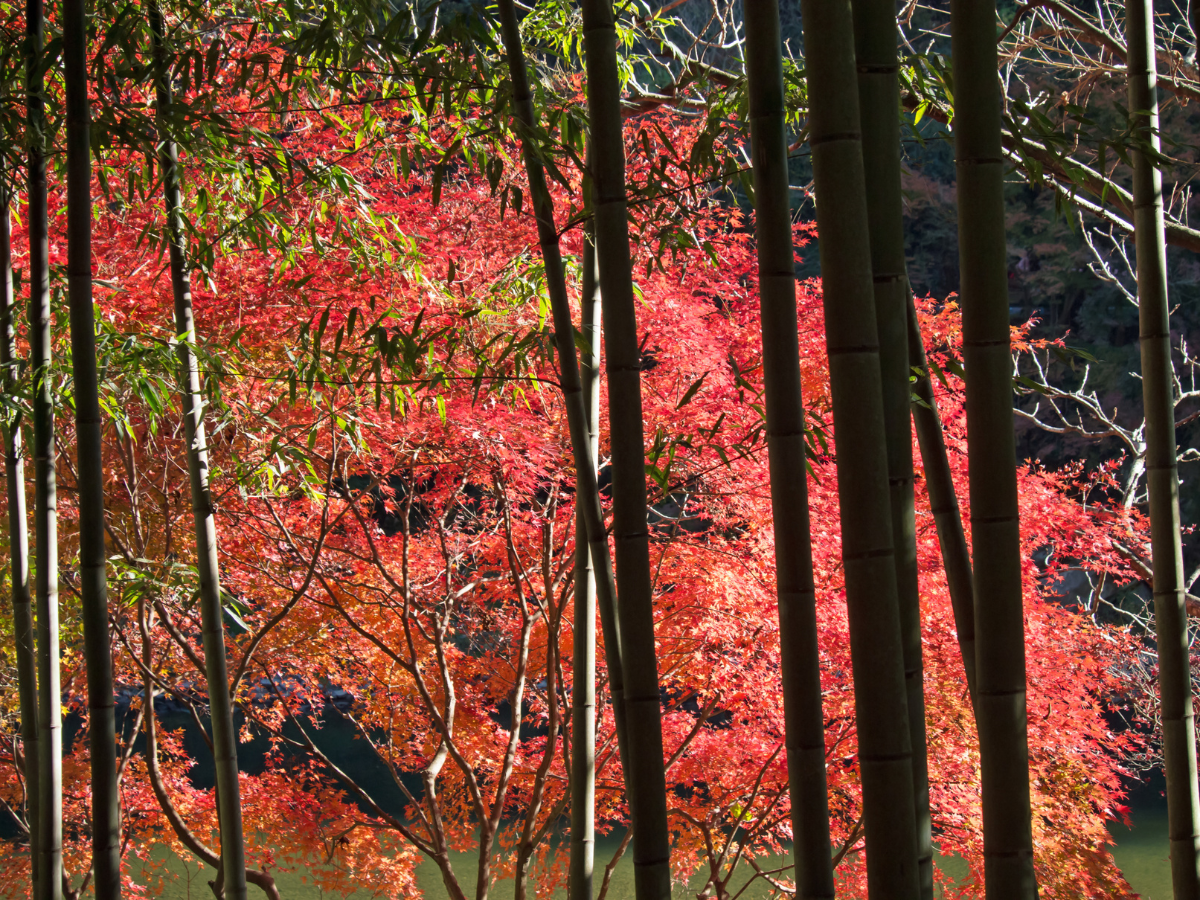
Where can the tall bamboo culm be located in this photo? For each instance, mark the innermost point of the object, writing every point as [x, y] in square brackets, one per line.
[18, 535]
[876, 40]
[45, 510]
[583, 666]
[804, 720]
[224, 732]
[622, 365]
[943, 501]
[102, 737]
[1158, 393]
[991, 450]
[587, 491]
[885, 749]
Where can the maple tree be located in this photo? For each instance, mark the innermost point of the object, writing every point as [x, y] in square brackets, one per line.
[395, 496]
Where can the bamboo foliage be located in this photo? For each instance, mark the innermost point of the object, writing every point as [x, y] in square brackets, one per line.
[1158, 393]
[804, 720]
[18, 536]
[49, 865]
[583, 681]
[224, 731]
[102, 739]
[852, 338]
[879, 96]
[992, 463]
[643, 710]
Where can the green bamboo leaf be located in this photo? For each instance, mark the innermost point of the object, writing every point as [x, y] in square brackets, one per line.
[691, 391]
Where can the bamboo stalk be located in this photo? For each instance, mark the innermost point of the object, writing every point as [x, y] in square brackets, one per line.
[991, 451]
[943, 501]
[187, 837]
[18, 537]
[587, 487]
[102, 736]
[885, 750]
[1162, 476]
[804, 720]
[583, 680]
[643, 708]
[224, 731]
[876, 40]
[45, 512]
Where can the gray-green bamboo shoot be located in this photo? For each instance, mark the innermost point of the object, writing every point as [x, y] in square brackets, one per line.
[622, 354]
[18, 535]
[583, 664]
[804, 719]
[49, 876]
[991, 452]
[102, 731]
[885, 754]
[1158, 393]
[587, 496]
[943, 501]
[876, 39]
[224, 731]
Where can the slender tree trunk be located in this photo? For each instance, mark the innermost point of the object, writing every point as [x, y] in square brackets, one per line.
[991, 451]
[943, 501]
[879, 95]
[18, 538]
[643, 708]
[587, 496]
[804, 719]
[583, 680]
[150, 751]
[885, 750]
[1158, 393]
[45, 510]
[106, 811]
[224, 732]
